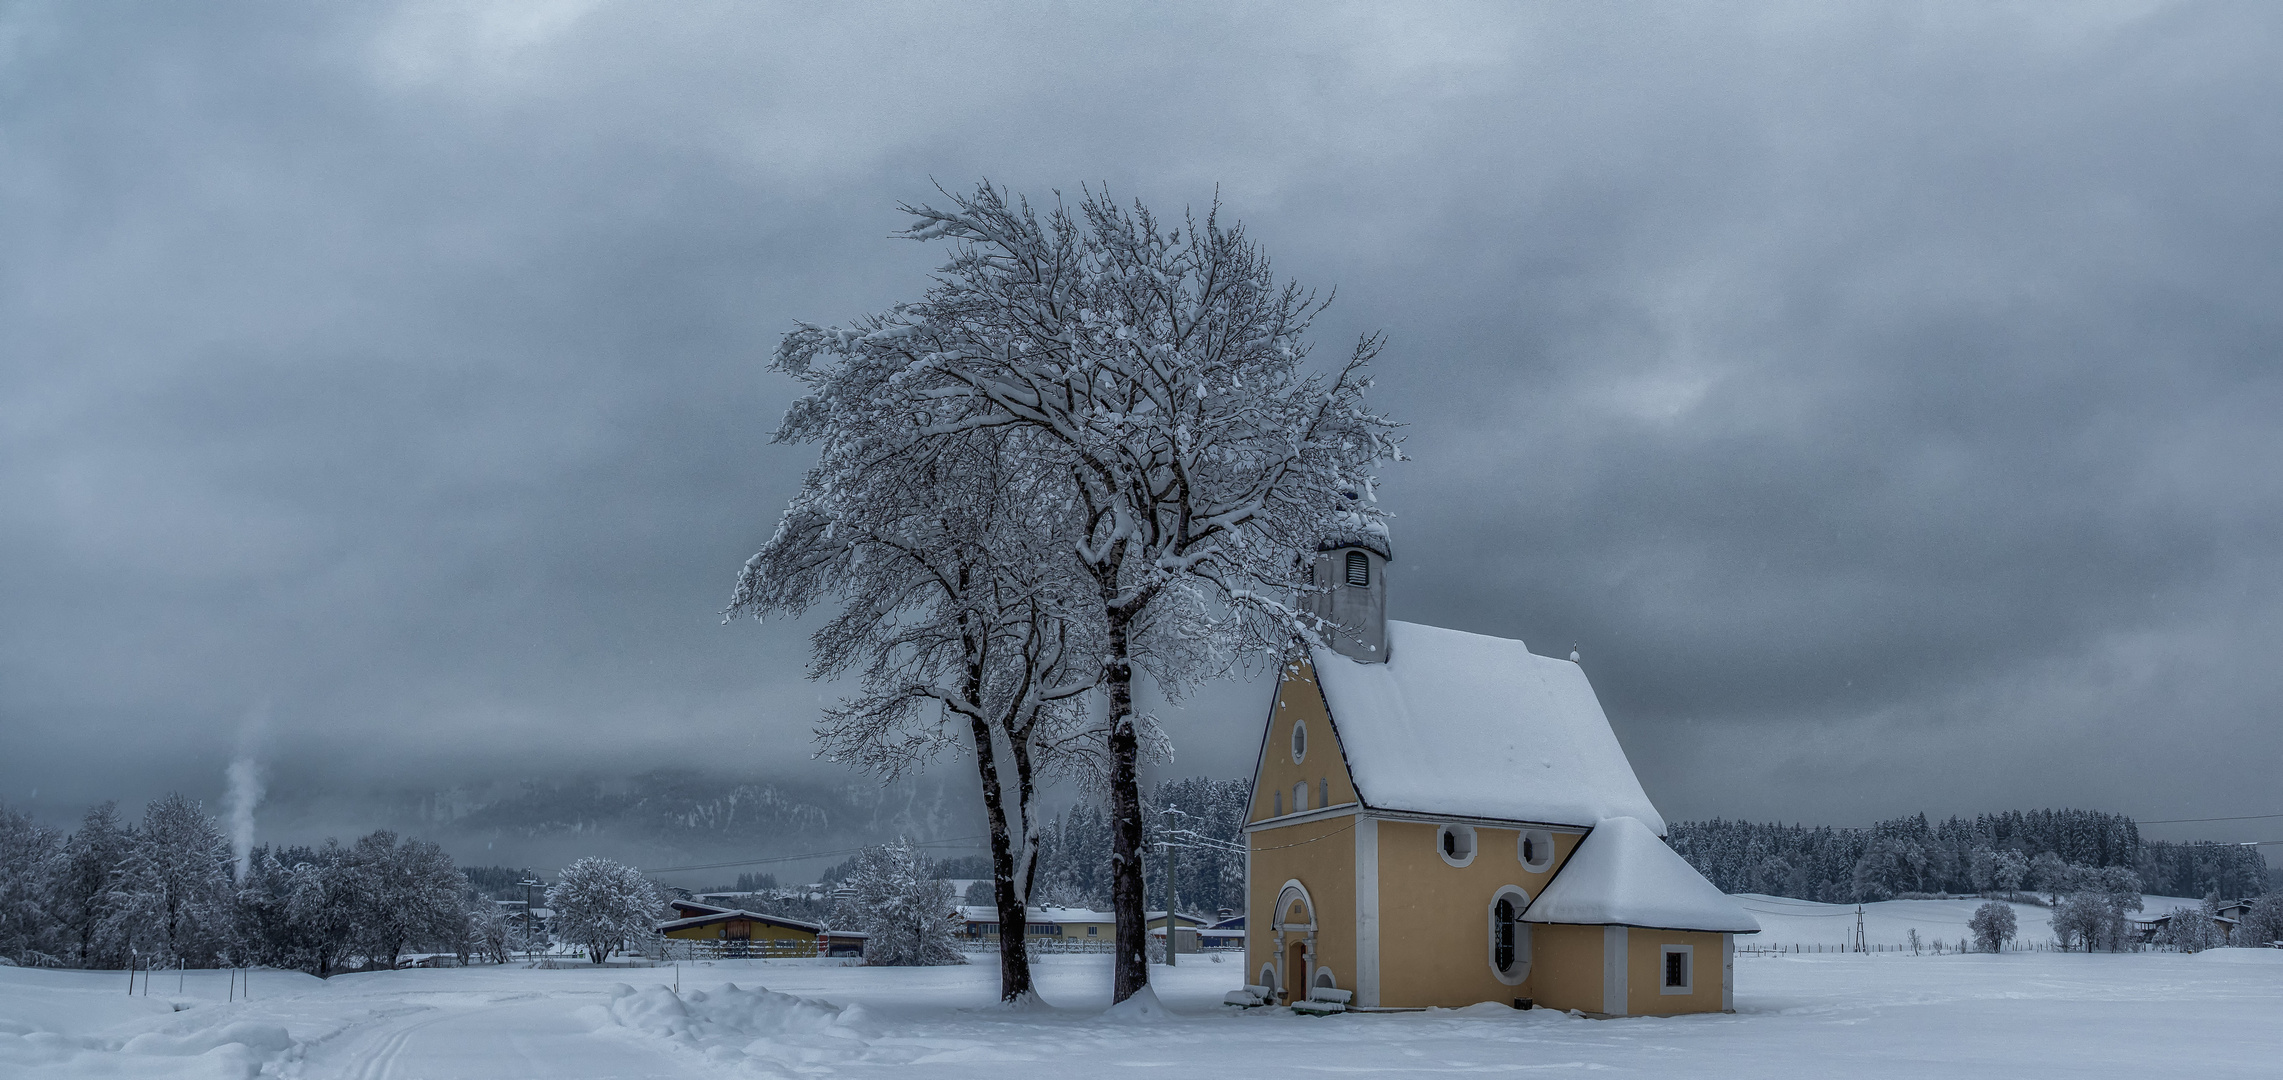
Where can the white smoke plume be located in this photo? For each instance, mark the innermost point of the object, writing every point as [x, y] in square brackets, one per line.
[245, 792]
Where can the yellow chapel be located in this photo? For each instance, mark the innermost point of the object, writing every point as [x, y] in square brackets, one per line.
[1441, 818]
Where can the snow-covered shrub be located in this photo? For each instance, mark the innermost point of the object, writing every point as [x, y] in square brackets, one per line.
[30, 856]
[2076, 919]
[485, 932]
[1993, 924]
[407, 896]
[92, 857]
[2194, 929]
[600, 905]
[1997, 869]
[906, 911]
[2263, 924]
[170, 898]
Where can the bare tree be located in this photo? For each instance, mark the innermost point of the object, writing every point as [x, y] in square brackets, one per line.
[1160, 373]
[955, 616]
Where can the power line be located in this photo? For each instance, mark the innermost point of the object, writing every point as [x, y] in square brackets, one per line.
[2189, 820]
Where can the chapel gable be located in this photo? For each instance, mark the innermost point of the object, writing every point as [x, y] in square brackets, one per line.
[1303, 766]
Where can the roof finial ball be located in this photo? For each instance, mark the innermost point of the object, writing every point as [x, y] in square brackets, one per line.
[1574, 657]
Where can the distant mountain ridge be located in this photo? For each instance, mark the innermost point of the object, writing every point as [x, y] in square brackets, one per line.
[669, 817]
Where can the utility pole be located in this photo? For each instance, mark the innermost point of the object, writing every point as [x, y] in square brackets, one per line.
[1172, 895]
[530, 921]
[1859, 946]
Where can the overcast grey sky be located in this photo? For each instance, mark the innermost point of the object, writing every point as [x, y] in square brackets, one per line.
[1884, 397]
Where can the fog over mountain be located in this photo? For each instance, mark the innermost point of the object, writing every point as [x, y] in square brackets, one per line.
[1882, 397]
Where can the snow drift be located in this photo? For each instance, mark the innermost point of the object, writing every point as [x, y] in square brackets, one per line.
[733, 1023]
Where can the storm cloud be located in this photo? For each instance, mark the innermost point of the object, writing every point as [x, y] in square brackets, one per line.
[1883, 398]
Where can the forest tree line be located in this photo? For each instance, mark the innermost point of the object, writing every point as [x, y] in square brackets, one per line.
[166, 890]
[1074, 857]
[1208, 831]
[2014, 851]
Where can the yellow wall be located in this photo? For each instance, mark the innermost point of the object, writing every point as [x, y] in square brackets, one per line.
[761, 932]
[1298, 700]
[1565, 967]
[1645, 976]
[1434, 918]
[1077, 931]
[1321, 855]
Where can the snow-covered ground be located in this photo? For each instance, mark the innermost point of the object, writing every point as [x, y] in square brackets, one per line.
[1785, 922]
[2014, 1016]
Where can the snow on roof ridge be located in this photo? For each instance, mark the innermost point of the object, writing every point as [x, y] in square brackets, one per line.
[725, 913]
[1623, 875]
[1470, 725]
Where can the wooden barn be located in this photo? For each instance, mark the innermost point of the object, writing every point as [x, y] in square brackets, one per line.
[737, 932]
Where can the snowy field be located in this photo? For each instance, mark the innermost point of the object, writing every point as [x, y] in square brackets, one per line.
[1786, 922]
[1886, 1015]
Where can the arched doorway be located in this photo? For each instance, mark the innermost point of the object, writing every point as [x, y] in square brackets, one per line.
[1295, 939]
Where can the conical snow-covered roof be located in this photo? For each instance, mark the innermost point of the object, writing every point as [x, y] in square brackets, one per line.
[1622, 875]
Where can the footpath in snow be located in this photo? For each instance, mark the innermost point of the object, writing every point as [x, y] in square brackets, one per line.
[1882, 1015]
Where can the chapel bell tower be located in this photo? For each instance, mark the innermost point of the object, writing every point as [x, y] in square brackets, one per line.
[1350, 575]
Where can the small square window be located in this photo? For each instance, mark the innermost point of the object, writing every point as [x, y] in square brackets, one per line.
[1679, 962]
[1093, 930]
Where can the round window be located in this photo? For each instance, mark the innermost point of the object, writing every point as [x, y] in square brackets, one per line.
[1455, 843]
[1536, 850]
[1299, 741]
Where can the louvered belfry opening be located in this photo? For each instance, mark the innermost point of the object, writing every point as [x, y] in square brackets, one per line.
[1359, 570]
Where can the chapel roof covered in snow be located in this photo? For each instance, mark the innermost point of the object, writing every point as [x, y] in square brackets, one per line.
[1622, 875]
[1473, 726]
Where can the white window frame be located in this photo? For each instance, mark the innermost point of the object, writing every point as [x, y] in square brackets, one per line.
[1473, 845]
[1545, 844]
[1299, 741]
[1688, 969]
[1358, 566]
[1323, 977]
[1520, 972]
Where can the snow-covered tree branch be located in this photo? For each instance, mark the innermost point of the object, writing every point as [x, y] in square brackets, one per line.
[1154, 375]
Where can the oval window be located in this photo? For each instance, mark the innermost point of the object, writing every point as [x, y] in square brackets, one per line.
[1509, 936]
[1299, 741]
[1502, 920]
[1455, 843]
[1536, 850]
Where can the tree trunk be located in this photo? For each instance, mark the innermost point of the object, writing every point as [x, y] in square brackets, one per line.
[1127, 901]
[1014, 920]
